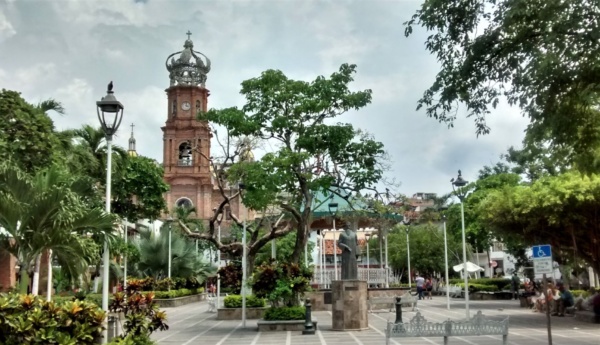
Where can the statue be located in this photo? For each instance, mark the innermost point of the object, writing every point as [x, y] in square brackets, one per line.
[349, 244]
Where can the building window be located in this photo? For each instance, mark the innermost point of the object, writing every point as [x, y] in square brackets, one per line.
[185, 154]
[198, 107]
[184, 202]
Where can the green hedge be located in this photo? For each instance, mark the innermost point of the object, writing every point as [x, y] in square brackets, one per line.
[582, 293]
[177, 293]
[479, 287]
[235, 301]
[285, 313]
[498, 283]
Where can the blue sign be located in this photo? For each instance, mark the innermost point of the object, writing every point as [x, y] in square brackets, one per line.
[542, 251]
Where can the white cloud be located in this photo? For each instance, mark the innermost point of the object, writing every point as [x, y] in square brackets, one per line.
[69, 50]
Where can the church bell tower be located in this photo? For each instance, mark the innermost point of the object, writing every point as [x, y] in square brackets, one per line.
[186, 140]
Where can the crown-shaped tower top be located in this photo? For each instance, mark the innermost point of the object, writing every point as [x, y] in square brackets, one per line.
[190, 67]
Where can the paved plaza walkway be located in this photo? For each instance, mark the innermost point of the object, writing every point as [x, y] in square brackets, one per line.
[193, 324]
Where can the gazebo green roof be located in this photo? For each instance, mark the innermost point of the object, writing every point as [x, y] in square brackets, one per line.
[347, 206]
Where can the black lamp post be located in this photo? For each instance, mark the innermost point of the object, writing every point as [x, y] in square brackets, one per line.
[110, 114]
[333, 207]
[457, 187]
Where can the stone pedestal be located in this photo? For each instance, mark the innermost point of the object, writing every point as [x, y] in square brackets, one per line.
[349, 305]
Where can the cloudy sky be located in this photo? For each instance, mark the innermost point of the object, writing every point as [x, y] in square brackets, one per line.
[69, 50]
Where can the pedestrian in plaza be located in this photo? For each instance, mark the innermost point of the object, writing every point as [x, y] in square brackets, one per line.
[515, 283]
[420, 285]
[563, 301]
[428, 287]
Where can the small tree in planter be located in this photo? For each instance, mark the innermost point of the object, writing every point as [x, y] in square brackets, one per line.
[282, 284]
[231, 277]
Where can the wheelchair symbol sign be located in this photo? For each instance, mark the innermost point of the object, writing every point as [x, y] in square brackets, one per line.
[542, 251]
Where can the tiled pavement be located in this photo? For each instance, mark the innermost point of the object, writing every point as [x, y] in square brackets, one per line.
[193, 324]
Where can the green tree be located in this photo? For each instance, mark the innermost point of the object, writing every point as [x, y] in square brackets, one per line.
[284, 248]
[138, 190]
[48, 212]
[426, 249]
[27, 136]
[560, 210]
[540, 55]
[313, 154]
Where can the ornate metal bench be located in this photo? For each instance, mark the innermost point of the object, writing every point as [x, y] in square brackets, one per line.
[407, 298]
[419, 327]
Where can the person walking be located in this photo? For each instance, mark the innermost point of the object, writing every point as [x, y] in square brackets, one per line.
[428, 287]
[420, 285]
[515, 283]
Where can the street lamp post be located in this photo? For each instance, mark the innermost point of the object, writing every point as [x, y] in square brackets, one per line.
[169, 260]
[446, 263]
[333, 207]
[367, 236]
[457, 186]
[408, 255]
[387, 269]
[125, 259]
[110, 114]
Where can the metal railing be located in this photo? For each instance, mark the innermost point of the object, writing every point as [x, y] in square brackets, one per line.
[373, 276]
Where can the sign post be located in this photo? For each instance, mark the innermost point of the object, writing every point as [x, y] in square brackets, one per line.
[542, 264]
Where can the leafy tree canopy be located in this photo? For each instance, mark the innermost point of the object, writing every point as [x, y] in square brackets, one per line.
[560, 210]
[27, 134]
[313, 153]
[541, 55]
[138, 193]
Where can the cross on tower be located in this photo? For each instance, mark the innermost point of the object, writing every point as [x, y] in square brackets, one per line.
[132, 125]
[188, 34]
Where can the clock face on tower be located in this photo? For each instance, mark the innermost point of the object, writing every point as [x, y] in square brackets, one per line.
[185, 106]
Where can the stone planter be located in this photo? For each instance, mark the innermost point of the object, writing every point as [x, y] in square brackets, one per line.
[484, 295]
[288, 325]
[179, 301]
[236, 313]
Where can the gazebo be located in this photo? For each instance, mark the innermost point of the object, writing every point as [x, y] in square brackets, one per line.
[348, 212]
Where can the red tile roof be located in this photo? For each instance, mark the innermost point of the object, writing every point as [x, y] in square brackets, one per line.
[329, 246]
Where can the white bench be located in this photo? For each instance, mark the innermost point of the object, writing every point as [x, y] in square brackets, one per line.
[419, 327]
[407, 298]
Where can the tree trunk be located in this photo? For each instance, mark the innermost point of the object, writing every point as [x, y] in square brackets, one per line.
[24, 281]
[301, 238]
[36, 275]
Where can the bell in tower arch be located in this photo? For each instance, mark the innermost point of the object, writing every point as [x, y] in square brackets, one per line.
[185, 154]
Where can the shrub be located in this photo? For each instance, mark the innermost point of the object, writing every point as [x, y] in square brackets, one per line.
[142, 316]
[231, 277]
[479, 287]
[30, 320]
[235, 301]
[281, 283]
[132, 340]
[285, 313]
[498, 283]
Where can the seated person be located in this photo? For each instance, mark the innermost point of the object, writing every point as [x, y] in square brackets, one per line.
[596, 306]
[563, 301]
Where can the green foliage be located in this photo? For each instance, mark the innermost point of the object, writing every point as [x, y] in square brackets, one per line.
[559, 210]
[496, 284]
[49, 211]
[150, 284]
[299, 118]
[231, 277]
[30, 320]
[426, 248]
[474, 287]
[140, 179]
[535, 53]
[281, 283]
[284, 249]
[285, 313]
[154, 256]
[235, 301]
[27, 136]
[142, 316]
[177, 293]
[133, 340]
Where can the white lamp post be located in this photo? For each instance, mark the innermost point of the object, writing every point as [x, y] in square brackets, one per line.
[408, 255]
[219, 261]
[125, 258]
[387, 269]
[110, 114]
[169, 259]
[457, 187]
[333, 207]
[446, 264]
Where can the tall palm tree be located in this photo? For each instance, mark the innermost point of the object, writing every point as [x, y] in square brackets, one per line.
[48, 212]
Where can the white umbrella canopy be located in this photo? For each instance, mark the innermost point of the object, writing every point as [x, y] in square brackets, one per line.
[471, 267]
